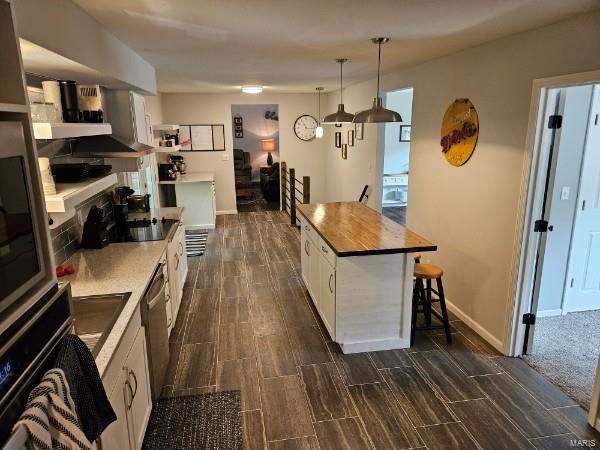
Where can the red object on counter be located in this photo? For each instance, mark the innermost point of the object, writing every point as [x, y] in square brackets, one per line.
[62, 271]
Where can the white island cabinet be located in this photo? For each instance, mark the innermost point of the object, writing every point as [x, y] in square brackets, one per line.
[358, 268]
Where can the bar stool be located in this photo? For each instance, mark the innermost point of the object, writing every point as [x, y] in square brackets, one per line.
[424, 273]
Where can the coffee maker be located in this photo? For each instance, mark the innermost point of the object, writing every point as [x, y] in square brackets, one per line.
[179, 163]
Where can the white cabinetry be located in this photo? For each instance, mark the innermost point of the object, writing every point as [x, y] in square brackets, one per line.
[178, 268]
[395, 189]
[318, 271]
[127, 379]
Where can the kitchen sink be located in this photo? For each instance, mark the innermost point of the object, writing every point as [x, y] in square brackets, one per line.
[94, 317]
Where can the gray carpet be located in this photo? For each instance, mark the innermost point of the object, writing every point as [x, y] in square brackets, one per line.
[195, 422]
[565, 350]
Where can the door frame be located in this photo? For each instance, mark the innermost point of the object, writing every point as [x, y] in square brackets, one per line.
[529, 208]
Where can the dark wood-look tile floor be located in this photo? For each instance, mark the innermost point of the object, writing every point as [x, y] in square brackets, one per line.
[247, 323]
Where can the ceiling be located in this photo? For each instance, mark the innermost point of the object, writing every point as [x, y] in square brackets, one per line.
[290, 46]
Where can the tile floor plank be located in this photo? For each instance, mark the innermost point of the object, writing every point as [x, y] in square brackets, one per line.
[388, 359]
[235, 341]
[240, 375]
[308, 346]
[197, 366]
[386, 423]
[447, 436]
[448, 379]
[253, 430]
[575, 419]
[234, 287]
[555, 442]
[275, 356]
[489, 427]
[286, 412]
[417, 397]
[203, 317]
[343, 434]
[303, 443]
[355, 368]
[327, 397]
[234, 310]
[466, 355]
[531, 417]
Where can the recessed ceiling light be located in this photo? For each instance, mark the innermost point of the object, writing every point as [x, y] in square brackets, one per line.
[252, 89]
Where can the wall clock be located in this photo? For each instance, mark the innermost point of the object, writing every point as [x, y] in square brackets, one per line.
[305, 127]
[460, 130]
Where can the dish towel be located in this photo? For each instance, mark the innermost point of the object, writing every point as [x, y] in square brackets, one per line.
[91, 403]
[49, 417]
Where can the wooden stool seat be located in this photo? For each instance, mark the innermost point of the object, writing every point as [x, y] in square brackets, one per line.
[428, 271]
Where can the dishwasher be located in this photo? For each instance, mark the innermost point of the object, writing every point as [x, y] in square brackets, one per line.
[154, 319]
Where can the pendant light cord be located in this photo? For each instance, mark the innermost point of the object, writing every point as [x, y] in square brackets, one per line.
[378, 68]
[341, 82]
[319, 90]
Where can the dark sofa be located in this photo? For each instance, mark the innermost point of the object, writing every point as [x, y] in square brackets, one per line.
[269, 183]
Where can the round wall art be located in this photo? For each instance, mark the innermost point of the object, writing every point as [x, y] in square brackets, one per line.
[460, 130]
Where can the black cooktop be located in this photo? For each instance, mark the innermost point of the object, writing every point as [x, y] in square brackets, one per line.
[140, 230]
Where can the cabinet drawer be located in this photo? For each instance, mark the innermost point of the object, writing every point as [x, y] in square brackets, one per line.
[327, 252]
[310, 231]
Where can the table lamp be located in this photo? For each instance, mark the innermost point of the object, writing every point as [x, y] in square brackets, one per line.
[268, 145]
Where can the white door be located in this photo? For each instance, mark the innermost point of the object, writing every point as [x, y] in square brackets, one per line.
[116, 434]
[305, 256]
[583, 288]
[327, 296]
[314, 282]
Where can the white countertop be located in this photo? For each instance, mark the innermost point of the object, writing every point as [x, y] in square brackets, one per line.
[192, 177]
[118, 268]
[168, 213]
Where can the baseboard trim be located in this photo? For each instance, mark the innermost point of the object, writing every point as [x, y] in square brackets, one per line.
[549, 312]
[373, 346]
[227, 211]
[493, 341]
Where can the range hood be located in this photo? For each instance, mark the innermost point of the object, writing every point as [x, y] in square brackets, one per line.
[110, 146]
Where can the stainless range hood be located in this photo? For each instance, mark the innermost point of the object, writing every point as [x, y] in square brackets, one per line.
[110, 146]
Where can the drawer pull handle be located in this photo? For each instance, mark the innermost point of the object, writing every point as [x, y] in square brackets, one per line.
[330, 280]
[170, 322]
[324, 249]
[131, 372]
[306, 248]
[181, 249]
[130, 394]
[176, 261]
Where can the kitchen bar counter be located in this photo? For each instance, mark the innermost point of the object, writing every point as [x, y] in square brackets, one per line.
[192, 177]
[352, 229]
[358, 269]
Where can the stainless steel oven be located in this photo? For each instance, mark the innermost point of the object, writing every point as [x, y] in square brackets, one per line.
[24, 243]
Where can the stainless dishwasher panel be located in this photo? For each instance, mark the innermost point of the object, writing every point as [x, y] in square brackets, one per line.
[154, 318]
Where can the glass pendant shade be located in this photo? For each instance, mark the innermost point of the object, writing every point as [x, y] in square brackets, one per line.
[378, 114]
[319, 132]
[340, 116]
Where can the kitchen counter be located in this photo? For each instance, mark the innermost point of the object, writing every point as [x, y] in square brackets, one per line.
[352, 229]
[192, 177]
[118, 268]
[174, 213]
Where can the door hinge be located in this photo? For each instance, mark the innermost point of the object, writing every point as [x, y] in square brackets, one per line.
[572, 281]
[529, 319]
[540, 226]
[555, 122]
[596, 120]
[583, 205]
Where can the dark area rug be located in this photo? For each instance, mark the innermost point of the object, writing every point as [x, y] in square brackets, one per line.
[193, 422]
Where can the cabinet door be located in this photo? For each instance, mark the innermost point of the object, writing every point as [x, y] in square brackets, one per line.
[116, 434]
[305, 257]
[172, 266]
[314, 277]
[327, 296]
[139, 401]
[182, 270]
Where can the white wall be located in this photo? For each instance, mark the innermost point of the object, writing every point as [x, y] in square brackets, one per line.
[256, 128]
[469, 212]
[396, 152]
[64, 28]
[305, 157]
[575, 108]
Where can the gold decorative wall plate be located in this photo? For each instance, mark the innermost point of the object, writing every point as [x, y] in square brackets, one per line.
[460, 130]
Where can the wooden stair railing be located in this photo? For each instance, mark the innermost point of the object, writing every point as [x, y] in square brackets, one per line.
[292, 191]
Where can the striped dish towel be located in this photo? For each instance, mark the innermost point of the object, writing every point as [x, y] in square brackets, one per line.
[49, 417]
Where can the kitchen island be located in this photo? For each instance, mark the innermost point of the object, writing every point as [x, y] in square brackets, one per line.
[358, 268]
[195, 192]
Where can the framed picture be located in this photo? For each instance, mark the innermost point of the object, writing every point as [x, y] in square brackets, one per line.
[351, 138]
[404, 133]
[238, 128]
[239, 134]
[202, 138]
[237, 120]
[338, 139]
[345, 151]
[359, 129]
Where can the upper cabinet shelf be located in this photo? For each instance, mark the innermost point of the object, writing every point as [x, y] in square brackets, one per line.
[165, 127]
[69, 130]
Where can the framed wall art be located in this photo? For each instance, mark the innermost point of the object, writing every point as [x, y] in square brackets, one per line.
[405, 133]
[351, 138]
[338, 139]
[359, 129]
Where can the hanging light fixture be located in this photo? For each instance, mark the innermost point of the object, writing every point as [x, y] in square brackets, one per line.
[340, 116]
[319, 130]
[378, 114]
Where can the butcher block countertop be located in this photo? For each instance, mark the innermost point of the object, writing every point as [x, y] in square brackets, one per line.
[353, 229]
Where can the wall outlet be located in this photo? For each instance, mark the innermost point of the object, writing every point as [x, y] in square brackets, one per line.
[565, 193]
[225, 157]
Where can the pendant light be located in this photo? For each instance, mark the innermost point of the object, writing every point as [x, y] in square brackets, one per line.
[319, 129]
[340, 116]
[378, 114]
